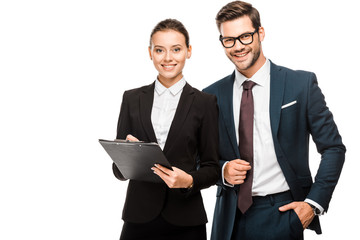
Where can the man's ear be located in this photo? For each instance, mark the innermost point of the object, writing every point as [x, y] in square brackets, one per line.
[261, 33]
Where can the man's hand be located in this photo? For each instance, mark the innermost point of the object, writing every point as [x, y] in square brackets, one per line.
[174, 179]
[302, 209]
[235, 171]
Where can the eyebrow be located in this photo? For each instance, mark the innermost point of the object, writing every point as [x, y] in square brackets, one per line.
[176, 45]
[247, 32]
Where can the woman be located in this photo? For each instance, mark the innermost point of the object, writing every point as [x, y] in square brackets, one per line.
[184, 122]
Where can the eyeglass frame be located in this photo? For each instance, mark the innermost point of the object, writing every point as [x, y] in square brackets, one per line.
[238, 38]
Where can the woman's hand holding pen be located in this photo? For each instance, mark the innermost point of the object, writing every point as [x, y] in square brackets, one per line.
[131, 138]
[174, 179]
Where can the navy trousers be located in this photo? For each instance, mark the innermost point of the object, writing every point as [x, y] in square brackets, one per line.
[264, 221]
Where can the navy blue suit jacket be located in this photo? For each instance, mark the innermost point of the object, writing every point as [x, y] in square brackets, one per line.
[291, 128]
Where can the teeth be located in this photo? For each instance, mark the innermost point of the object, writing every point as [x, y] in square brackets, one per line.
[168, 66]
[241, 55]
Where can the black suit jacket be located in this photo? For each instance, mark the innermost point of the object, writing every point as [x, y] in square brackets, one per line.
[191, 145]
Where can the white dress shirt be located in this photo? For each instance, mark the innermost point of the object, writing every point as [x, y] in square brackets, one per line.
[164, 107]
[268, 177]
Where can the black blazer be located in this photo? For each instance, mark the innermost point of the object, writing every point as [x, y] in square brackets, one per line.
[191, 145]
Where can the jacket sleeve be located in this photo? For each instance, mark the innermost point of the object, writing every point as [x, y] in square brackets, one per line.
[328, 143]
[123, 128]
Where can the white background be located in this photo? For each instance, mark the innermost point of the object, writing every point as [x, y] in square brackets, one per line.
[65, 64]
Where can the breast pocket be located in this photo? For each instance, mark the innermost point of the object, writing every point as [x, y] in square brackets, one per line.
[288, 107]
[289, 122]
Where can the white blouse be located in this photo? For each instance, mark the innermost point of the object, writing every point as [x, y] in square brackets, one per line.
[164, 107]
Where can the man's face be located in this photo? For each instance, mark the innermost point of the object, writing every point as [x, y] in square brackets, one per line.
[245, 57]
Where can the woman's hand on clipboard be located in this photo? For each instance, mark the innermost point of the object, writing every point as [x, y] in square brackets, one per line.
[131, 138]
[174, 179]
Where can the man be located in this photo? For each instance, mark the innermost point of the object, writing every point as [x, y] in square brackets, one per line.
[266, 114]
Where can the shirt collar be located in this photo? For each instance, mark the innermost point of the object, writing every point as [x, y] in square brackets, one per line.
[174, 89]
[260, 77]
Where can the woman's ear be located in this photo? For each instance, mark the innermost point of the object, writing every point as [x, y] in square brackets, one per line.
[189, 51]
[150, 52]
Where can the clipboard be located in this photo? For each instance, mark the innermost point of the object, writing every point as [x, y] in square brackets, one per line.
[135, 159]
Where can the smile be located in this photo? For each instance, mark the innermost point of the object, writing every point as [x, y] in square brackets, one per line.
[169, 67]
[240, 55]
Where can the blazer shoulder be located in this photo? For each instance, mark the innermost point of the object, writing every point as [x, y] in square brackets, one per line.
[202, 94]
[294, 74]
[212, 89]
[203, 97]
[136, 91]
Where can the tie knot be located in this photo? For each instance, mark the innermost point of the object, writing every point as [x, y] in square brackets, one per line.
[248, 85]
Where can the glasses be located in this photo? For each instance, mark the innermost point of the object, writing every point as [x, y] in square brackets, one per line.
[245, 39]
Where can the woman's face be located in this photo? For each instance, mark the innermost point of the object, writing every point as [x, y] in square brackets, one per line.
[168, 52]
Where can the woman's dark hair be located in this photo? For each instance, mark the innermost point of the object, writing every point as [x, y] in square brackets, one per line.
[171, 24]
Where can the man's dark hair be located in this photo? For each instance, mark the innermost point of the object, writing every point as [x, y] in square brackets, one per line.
[237, 9]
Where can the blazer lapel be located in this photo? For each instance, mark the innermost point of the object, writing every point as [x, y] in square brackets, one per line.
[277, 86]
[182, 110]
[145, 102]
[225, 100]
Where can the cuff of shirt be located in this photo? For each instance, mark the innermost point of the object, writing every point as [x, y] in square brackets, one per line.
[222, 176]
[318, 206]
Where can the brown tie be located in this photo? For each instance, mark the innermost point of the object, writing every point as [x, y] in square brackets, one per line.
[246, 143]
